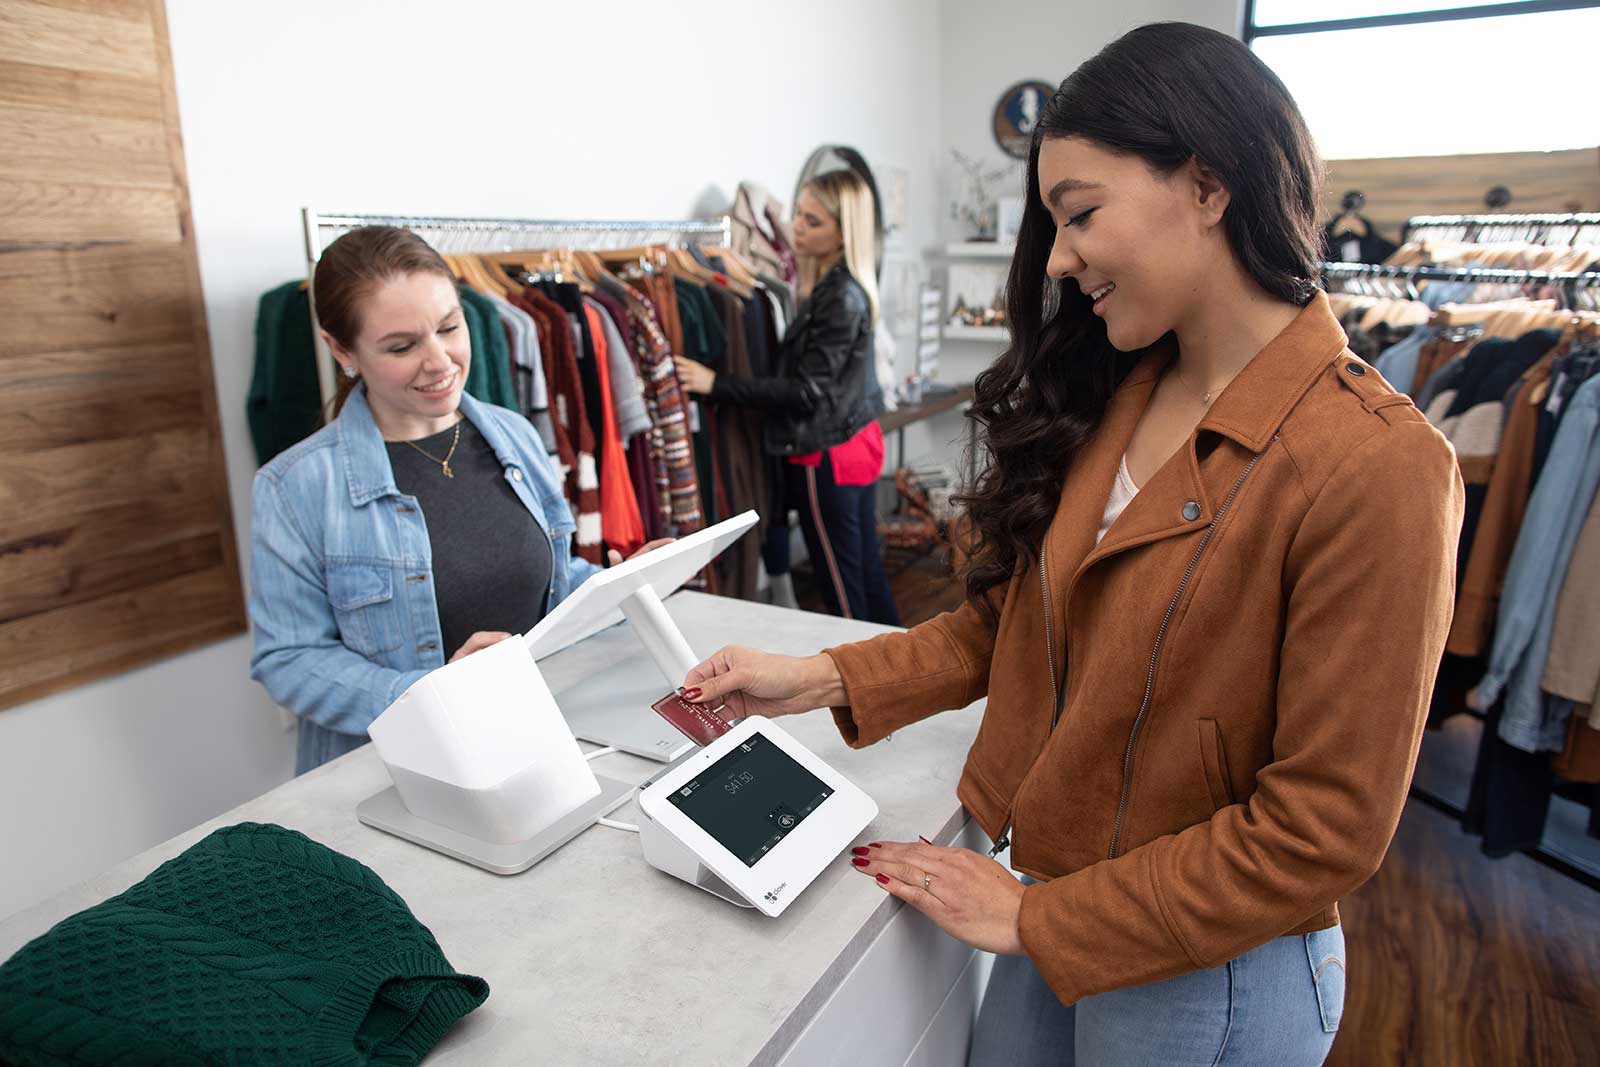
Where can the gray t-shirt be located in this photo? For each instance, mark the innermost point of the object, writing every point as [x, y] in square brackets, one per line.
[491, 561]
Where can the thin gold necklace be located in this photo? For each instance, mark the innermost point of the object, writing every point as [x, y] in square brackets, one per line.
[445, 462]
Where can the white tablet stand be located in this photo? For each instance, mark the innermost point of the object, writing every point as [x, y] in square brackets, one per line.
[666, 853]
[484, 768]
[618, 714]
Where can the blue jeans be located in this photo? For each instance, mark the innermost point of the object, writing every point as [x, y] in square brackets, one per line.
[1276, 1006]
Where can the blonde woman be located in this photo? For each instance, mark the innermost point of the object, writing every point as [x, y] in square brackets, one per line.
[821, 415]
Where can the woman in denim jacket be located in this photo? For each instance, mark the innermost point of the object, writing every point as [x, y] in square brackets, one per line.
[419, 521]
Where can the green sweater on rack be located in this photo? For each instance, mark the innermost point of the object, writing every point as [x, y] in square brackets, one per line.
[255, 946]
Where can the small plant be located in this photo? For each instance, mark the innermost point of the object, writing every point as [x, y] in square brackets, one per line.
[975, 204]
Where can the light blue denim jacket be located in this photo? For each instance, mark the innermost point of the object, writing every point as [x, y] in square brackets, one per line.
[1526, 620]
[341, 570]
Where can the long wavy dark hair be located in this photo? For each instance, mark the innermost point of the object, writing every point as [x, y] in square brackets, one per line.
[1168, 92]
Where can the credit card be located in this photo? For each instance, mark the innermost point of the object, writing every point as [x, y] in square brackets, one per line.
[700, 723]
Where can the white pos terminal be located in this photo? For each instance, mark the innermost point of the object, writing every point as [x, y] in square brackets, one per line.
[484, 758]
[619, 714]
[752, 818]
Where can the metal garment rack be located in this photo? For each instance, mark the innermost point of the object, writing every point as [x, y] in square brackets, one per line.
[451, 234]
[1553, 229]
[1492, 275]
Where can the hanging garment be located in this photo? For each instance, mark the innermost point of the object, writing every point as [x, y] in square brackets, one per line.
[569, 299]
[620, 525]
[527, 368]
[1352, 247]
[1398, 363]
[1523, 628]
[672, 458]
[759, 233]
[489, 372]
[570, 415]
[704, 342]
[739, 452]
[284, 403]
[642, 476]
[627, 391]
[1573, 669]
[1505, 502]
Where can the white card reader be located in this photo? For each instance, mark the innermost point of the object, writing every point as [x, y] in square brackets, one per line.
[752, 818]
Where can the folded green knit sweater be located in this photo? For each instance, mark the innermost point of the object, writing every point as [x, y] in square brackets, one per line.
[255, 946]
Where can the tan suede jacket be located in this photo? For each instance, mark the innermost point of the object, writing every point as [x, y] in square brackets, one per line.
[1200, 733]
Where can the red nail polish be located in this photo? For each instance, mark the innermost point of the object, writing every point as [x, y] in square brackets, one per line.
[924, 840]
[883, 879]
[691, 694]
[875, 844]
[860, 852]
[859, 862]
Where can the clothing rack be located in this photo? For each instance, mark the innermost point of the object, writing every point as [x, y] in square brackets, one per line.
[452, 234]
[1544, 854]
[1503, 227]
[1492, 275]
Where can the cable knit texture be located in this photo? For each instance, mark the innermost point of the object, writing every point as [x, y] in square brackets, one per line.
[255, 946]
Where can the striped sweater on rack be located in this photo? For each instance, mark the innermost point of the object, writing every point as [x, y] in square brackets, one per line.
[671, 446]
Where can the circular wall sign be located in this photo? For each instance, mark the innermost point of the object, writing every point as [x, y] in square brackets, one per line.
[1017, 113]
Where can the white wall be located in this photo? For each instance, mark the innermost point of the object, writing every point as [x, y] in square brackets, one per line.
[986, 48]
[990, 46]
[628, 109]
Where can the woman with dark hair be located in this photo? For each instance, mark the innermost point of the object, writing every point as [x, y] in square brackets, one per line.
[1209, 580]
[419, 523]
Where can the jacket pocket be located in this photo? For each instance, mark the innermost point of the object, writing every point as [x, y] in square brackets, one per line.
[1215, 760]
[362, 597]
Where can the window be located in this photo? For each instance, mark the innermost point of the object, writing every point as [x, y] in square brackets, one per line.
[1406, 78]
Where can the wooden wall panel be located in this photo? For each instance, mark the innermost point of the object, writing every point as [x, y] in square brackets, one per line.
[114, 633]
[116, 538]
[56, 211]
[110, 95]
[77, 37]
[43, 144]
[1397, 189]
[80, 296]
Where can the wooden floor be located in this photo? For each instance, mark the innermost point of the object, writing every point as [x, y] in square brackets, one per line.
[1456, 960]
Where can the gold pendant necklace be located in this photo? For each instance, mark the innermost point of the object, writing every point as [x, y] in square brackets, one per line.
[445, 462]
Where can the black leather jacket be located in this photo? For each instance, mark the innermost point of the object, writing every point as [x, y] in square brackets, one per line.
[821, 396]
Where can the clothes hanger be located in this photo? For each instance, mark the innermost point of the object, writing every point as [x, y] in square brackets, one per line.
[737, 268]
[1350, 220]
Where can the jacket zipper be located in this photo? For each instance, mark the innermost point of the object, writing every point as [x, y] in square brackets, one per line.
[1155, 652]
[1004, 841]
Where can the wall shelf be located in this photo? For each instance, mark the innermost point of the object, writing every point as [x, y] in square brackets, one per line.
[997, 334]
[981, 250]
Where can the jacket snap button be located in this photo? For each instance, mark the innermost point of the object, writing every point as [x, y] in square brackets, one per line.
[1355, 368]
[516, 474]
[1191, 511]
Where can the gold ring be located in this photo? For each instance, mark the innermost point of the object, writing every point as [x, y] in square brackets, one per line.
[927, 880]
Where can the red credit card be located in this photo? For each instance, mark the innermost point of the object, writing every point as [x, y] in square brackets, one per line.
[700, 723]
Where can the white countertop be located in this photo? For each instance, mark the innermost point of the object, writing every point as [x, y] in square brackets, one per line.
[593, 956]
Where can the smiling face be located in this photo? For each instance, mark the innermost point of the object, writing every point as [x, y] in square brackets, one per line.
[412, 352]
[1142, 245]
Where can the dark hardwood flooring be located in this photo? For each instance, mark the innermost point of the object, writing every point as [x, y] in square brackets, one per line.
[1456, 960]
